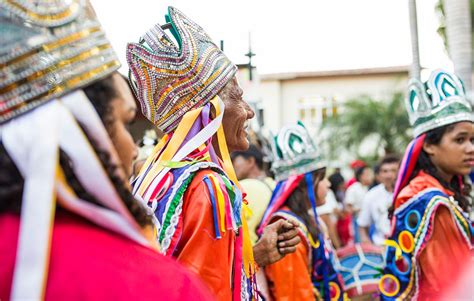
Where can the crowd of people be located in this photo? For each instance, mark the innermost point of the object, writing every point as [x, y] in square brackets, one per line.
[207, 216]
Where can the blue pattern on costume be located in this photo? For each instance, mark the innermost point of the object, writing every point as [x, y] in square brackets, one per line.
[322, 261]
[415, 217]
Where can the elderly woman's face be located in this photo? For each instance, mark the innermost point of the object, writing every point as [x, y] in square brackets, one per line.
[236, 115]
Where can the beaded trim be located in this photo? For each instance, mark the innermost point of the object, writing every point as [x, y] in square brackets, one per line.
[170, 80]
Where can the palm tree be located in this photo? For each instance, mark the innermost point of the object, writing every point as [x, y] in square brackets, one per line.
[383, 122]
[415, 51]
[457, 29]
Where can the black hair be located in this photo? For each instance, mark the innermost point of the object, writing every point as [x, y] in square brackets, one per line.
[298, 202]
[252, 152]
[100, 93]
[424, 163]
[336, 179]
[389, 159]
[359, 171]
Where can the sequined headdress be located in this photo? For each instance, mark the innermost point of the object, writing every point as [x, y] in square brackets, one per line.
[294, 152]
[170, 80]
[438, 102]
[48, 50]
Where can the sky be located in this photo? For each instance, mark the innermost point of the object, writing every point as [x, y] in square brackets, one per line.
[292, 36]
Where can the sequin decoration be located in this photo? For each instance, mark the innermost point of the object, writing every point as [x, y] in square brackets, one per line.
[170, 80]
[47, 51]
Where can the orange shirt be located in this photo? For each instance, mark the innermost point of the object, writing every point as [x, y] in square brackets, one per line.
[446, 251]
[198, 249]
[290, 279]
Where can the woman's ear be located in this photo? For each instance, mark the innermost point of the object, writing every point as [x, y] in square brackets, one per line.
[429, 148]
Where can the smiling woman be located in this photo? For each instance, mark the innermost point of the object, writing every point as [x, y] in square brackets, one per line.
[431, 198]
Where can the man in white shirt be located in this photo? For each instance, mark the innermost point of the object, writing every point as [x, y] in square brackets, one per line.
[355, 195]
[377, 202]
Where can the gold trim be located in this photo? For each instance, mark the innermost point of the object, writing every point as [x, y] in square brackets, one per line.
[41, 73]
[72, 9]
[74, 37]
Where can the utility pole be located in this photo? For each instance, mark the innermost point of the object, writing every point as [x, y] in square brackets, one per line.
[250, 54]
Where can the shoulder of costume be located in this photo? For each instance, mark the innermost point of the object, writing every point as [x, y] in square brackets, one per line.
[413, 228]
[226, 202]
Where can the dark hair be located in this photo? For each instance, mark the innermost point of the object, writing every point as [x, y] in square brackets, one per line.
[389, 159]
[424, 163]
[336, 179]
[252, 152]
[11, 182]
[298, 202]
[359, 171]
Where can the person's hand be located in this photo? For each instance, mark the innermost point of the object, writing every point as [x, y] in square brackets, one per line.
[278, 239]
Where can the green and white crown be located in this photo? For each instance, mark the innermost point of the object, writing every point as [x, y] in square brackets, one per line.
[438, 102]
[294, 152]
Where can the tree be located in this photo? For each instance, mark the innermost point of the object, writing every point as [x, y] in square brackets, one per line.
[385, 123]
[456, 28]
[415, 50]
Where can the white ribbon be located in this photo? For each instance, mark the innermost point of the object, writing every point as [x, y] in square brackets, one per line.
[200, 138]
[33, 141]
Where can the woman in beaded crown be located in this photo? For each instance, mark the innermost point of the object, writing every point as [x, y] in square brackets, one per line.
[308, 273]
[431, 232]
[68, 220]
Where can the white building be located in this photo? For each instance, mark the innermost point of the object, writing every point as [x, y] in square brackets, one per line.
[312, 96]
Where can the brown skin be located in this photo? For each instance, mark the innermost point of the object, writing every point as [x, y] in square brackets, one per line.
[367, 177]
[321, 191]
[454, 155]
[123, 111]
[237, 113]
[280, 238]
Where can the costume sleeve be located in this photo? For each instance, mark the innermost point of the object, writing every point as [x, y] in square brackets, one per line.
[445, 255]
[198, 242]
[289, 278]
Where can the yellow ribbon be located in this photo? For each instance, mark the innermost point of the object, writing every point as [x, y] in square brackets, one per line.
[178, 137]
[398, 250]
[220, 201]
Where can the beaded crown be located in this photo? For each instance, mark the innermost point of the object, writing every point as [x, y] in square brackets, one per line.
[48, 49]
[170, 80]
[438, 102]
[294, 152]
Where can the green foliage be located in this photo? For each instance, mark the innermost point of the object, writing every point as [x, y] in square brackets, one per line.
[384, 122]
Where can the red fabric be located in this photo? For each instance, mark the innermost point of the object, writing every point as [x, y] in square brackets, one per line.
[198, 249]
[350, 182]
[345, 229]
[90, 263]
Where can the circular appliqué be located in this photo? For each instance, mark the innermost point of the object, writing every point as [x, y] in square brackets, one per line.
[402, 265]
[412, 220]
[334, 291]
[406, 241]
[389, 285]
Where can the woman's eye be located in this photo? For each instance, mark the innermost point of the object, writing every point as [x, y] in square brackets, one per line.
[459, 140]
